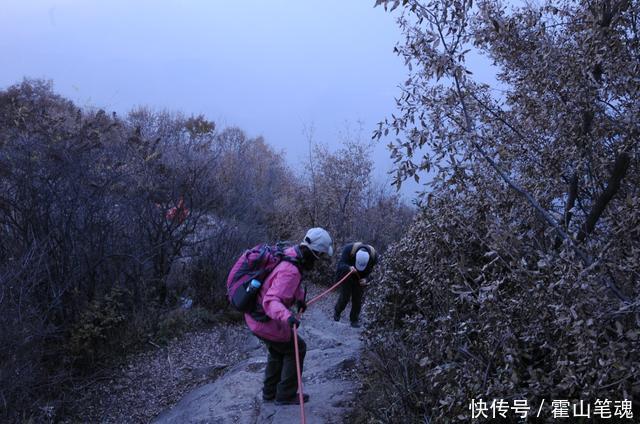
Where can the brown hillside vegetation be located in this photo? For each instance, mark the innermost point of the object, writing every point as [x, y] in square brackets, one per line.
[520, 279]
[111, 227]
[468, 310]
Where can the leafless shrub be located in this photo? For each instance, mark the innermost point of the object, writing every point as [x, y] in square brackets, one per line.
[108, 224]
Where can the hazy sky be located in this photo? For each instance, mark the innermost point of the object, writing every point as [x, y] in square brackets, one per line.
[269, 67]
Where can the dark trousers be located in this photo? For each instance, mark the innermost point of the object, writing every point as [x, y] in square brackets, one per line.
[350, 290]
[280, 377]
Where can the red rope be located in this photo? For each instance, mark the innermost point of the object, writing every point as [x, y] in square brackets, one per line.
[295, 343]
[300, 389]
[330, 289]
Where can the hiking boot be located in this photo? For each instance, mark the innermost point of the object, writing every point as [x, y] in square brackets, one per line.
[268, 398]
[355, 324]
[295, 400]
[336, 317]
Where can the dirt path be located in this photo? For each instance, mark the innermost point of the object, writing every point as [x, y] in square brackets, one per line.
[236, 397]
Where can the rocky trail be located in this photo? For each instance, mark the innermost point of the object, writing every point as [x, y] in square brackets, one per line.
[329, 378]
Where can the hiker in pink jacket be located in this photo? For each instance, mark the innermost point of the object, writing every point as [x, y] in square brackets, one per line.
[273, 322]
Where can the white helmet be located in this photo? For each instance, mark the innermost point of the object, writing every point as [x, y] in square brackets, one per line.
[362, 259]
[319, 241]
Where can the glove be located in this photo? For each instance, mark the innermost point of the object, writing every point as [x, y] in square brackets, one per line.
[293, 321]
[301, 305]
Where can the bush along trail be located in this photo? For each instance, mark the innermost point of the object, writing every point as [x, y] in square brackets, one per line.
[333, 350]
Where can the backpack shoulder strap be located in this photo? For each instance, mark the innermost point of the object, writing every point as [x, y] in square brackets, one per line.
[356, 246]
[295, 260]
[372, 252]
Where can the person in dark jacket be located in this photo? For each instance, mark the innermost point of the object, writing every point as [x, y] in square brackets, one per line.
[361, 258]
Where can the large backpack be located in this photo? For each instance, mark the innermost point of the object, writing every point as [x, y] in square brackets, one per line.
[255, 263]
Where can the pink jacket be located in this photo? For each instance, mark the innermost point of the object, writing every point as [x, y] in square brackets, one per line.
[278, 293]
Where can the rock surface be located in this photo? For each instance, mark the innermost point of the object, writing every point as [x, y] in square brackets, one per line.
[236, 397]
